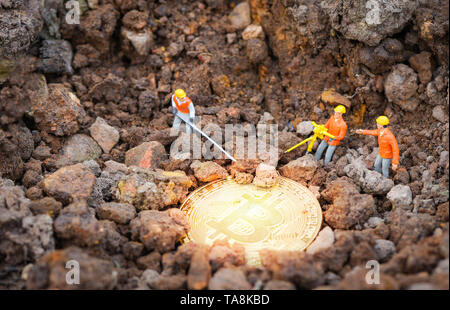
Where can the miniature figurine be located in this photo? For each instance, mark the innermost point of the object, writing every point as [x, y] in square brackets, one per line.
[182, 108]
[388, 147]
[337, 127]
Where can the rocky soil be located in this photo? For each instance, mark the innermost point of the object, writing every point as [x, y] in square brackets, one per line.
[84, 138]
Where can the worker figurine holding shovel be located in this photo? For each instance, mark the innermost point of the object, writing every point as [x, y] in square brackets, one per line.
[182, 108]
[388, 147]
[337, 127]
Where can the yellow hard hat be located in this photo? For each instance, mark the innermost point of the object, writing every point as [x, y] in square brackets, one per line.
[383, 120]
[180, 93]
[340, 109]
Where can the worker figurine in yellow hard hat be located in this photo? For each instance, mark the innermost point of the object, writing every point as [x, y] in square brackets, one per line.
[388, 147]
[337, 127]
[182, 104]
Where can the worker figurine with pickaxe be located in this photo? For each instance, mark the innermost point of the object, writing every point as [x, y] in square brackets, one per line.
[182, 106]
[183, 109]
[338, 128]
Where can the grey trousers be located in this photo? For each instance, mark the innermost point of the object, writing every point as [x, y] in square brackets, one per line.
[177, 122]
[382, 165]
[328, 155]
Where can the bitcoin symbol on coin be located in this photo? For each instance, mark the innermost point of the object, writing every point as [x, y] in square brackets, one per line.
[258, 214]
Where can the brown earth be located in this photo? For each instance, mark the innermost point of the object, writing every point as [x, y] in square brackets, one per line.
[81, 105]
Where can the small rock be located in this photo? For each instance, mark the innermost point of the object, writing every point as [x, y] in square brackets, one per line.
[253, 32]
[31, 178]
[368, 22]
[135, 20]
[114, 167]
[229, 279]
[302, 169]
[401, 87]
[305, 128]
[422, 64]
[384, 249]
[400, 196]
[46, 205]
[56, 57]
[121, 213]
[175, 49]
[349, 206]
[150, 277]
[109, 89]
[402, 176]
[231, 37]
[147, 189]
[102, 189]
[443, 159]
[150, 261]
[77, 224]
[334, 98]
[159, 230]
[324, 240]
[199, 270]
[146, 155]
[175, 282]
[371, 181]
[440, 114]
[57, 110]
[70, 183]
[42, 152]
[93, 166]
[132, 249]
[442, 267]
[373, 222]
[208, 171]
[142, 41]
[266, 175]
[77, 149]
[243, 178]
[256, 50]
[105, 135]
[240, 16]
[222, 254]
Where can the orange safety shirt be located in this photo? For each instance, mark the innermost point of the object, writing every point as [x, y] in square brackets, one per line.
[386, 142]
[182, 107]
[337, 127]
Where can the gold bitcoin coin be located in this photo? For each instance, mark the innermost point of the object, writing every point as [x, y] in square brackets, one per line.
[285, 217]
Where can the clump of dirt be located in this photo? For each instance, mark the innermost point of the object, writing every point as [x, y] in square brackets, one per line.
[83, 104]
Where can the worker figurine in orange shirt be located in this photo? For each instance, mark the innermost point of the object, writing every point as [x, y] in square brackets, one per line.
[388, 147]
[338, 128]
[182, 104]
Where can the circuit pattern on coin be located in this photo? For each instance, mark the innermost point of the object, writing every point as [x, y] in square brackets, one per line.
[285, 217]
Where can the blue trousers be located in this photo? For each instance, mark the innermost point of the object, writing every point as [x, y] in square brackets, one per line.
[328, 155]
[382, 165]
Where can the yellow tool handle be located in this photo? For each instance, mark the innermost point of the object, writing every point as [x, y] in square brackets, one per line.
[297, 145]
[329, 135]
